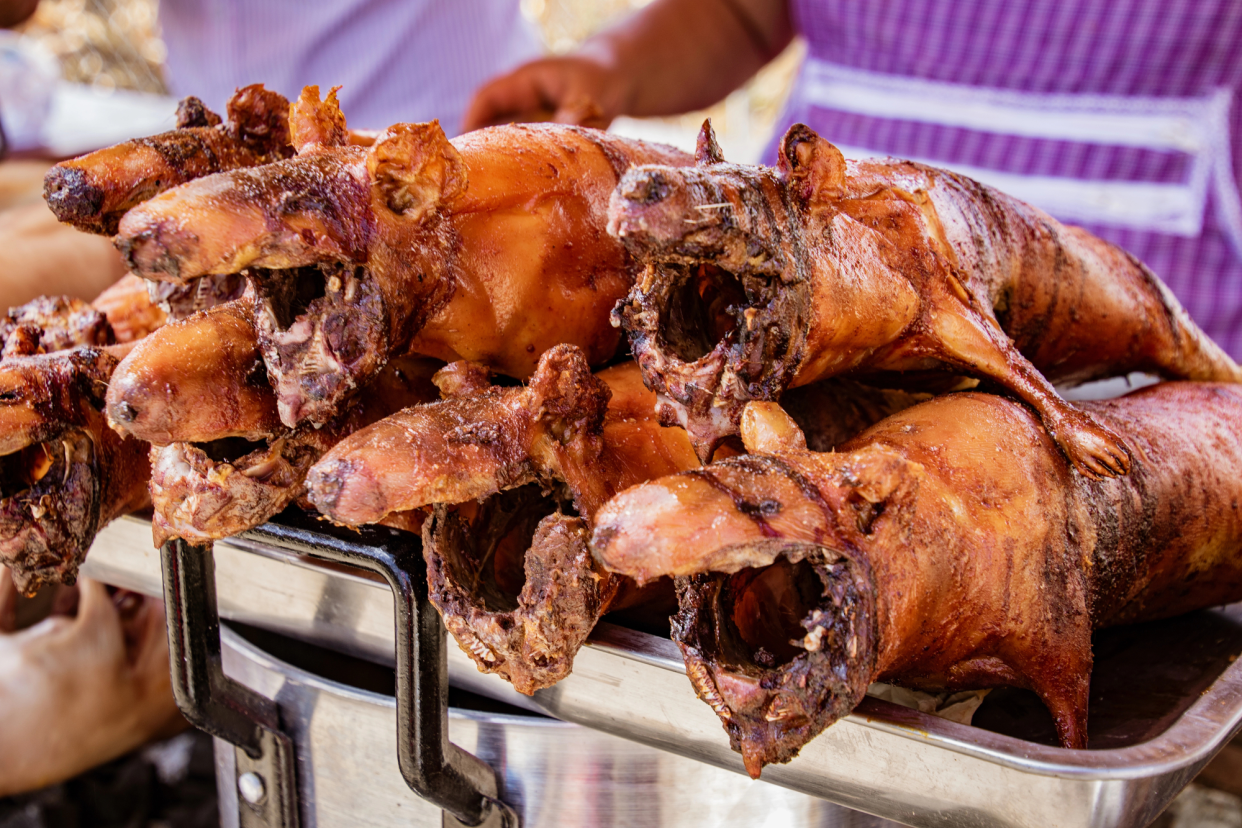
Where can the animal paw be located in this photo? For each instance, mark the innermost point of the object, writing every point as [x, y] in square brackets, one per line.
[1094, 451]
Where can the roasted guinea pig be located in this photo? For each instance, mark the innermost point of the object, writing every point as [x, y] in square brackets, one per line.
[758, 279]
[63, 473]
[525, 470]
[93, 192]
[489, 248]
[221, 460]
[951, 546]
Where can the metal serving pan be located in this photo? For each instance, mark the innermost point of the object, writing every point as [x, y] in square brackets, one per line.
[554, 774]
[1165, 697]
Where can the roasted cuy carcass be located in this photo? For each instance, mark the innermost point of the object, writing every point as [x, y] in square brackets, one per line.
[758, 279]
[94, 191]
[510, 573]
[489, 248]
[63, 473]
[930, 553]
[221, 460]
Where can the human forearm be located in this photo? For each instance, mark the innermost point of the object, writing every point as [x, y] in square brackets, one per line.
[673, 56]
[682, 55]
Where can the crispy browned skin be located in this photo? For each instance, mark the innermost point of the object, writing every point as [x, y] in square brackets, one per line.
[210, 491]
[63, 473]
[93, 192]
[511, 575]
[130, 309]
[759, 279]
[490, 248]
[950, 546]
[196, 380]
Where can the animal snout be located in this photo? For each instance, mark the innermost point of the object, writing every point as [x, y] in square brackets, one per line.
[646, 186]
[71, 195]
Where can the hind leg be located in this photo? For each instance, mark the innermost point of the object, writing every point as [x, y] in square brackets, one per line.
[961, 337]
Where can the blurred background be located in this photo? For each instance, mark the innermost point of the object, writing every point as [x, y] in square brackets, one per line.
[115, 45]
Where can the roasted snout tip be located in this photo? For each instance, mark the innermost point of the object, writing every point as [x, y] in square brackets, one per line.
[345, 492]
[71, 195]
[651, 206]
[149, 251]
[127, 405]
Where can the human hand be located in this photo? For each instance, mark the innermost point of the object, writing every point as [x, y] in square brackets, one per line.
[571, 89]
[78, 691]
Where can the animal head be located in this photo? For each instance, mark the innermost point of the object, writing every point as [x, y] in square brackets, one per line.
[339, 242]
[718, 318]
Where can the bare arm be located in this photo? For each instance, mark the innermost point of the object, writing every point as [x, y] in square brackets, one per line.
[14, 12]
[673, 56]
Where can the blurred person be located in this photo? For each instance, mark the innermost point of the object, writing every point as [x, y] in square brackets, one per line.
[84, 685]
[408, 61]
[1122, 116]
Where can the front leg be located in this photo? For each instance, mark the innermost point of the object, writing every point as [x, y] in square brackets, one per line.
[961, 337]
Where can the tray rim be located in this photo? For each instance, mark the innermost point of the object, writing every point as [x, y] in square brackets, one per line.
[1197, 734]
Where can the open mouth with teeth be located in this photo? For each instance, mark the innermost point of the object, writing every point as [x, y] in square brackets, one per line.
[324, 332]
[710, 339]
[779, 652]
[515, 582]
[49, 509]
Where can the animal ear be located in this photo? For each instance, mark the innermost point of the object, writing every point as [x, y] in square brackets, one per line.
[706, 149]
[314, 122]
[415, 169]
[876, 476]
[813, 168]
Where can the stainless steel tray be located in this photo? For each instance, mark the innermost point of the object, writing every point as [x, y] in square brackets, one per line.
[1166, 697]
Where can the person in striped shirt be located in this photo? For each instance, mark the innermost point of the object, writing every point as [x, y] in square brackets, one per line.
[1122, 116]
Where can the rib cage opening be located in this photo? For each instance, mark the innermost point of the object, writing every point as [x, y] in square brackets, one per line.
[228, 449]
[289, 293]
[763, 610]
[702, 310]
[26, 467]
[500, 531]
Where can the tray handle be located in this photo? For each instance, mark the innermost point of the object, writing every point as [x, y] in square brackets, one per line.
[216, 703]
[465, 787]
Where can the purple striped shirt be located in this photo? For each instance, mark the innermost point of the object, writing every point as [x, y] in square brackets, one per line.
[1123, 116]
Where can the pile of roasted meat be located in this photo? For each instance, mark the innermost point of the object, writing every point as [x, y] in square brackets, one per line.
[808, 410]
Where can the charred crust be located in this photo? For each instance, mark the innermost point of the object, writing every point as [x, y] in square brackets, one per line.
[74, 199]
[568, 394]
[186, 154]
[52, 323]
[721, 313]
[706, 147]
[48, 527]
[259, 119]
[323, 332]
